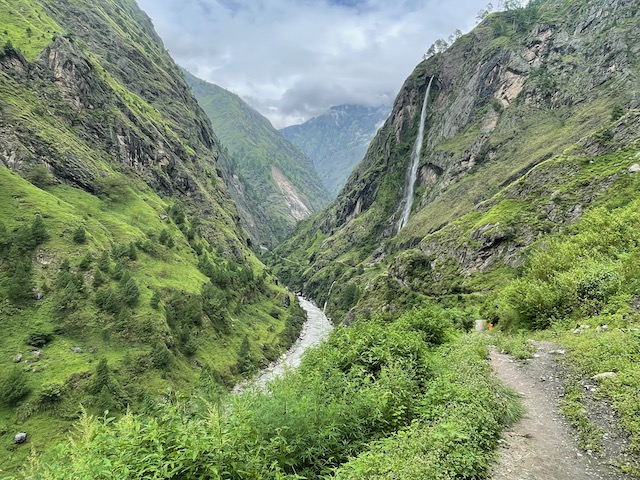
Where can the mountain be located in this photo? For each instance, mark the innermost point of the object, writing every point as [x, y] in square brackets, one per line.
[124, 270]
[524, 89]
[272, 182]
[337, 140]
[524, 219]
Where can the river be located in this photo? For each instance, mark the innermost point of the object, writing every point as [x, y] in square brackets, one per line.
[314, 331]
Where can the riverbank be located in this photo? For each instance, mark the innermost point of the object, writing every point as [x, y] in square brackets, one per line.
[314, 331]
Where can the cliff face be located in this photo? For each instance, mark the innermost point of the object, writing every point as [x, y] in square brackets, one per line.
[125, 97]
[519, 89]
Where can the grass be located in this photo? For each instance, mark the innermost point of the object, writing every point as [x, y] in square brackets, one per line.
[134, 217]
[27, 26]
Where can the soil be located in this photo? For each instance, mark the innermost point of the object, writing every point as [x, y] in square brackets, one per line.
[543, 445]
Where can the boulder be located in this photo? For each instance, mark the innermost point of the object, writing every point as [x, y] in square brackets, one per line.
[18, 358]
[20, 437]
[604, 375]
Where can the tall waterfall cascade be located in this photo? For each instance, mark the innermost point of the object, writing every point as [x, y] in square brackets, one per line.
[415, 160]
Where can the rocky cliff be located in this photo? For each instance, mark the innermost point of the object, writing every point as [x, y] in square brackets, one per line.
[520, 89]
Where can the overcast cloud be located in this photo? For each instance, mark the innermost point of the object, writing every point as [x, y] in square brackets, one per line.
[292, 60]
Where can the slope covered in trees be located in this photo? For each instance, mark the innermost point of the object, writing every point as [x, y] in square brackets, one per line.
[124, 270]
[272, 182]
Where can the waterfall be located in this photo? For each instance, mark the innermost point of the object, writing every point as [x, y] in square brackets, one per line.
[415, 160]
[324, 309]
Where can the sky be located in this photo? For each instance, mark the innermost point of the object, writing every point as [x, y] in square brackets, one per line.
[293, 59]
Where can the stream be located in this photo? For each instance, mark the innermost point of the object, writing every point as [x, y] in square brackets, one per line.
[314, 331]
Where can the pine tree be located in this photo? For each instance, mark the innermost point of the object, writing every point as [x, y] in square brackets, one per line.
[20, 288]
[39, 232]
[80, 235]
[104, 263]
[130, 292]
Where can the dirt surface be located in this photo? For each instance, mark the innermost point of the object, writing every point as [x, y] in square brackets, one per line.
[543, 446]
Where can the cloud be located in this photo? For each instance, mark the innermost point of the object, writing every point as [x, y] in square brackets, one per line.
[293, 59]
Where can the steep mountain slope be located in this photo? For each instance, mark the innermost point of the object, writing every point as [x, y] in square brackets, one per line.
[123, 267]
[525, 212]
[524, 86]
[337, 140]
[273, 183]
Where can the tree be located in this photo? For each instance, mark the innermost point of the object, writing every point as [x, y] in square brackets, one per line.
[39, 232]
[40, 176]
[13, 388]
[104, 262]
[244, 356]
[130, 292]
[80, 235]
[20, 288]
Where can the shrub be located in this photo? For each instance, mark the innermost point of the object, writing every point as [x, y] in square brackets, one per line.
[13, 388]
[80, 235]
[39, 339]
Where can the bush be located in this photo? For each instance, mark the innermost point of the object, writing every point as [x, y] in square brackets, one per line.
[39, 339]
[80, 235]
[13, 388]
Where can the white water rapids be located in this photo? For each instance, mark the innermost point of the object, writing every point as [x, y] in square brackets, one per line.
[314, 331]
[415, 160]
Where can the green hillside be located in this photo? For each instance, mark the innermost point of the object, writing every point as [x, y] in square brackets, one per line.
[124, 271]
[273, 183]
[337, 140]
[525, 216]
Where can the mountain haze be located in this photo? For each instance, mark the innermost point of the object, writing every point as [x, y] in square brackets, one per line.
[337, 140]
[273, 183]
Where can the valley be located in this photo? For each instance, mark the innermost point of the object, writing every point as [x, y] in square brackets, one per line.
[153, 227]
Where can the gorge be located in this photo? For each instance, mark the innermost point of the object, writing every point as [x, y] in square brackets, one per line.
[135, 291]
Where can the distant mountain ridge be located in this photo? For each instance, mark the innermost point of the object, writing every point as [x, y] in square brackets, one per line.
[337, 140]
[271, 180]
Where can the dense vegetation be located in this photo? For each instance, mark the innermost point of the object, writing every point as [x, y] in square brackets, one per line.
[411, 386]
[123, 268]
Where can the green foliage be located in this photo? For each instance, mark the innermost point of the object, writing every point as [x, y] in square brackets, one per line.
[130, 292]
[13, 387]
[19, 287]
[40, 175]
[617, 112]
[104, 262]
[39, 339]
[80, 235]
[316, 419]
[244, 356]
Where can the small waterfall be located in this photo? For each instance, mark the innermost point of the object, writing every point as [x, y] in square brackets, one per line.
[324, 308]
[415, 160]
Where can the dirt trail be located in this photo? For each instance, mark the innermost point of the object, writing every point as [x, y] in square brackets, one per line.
[542, 446]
